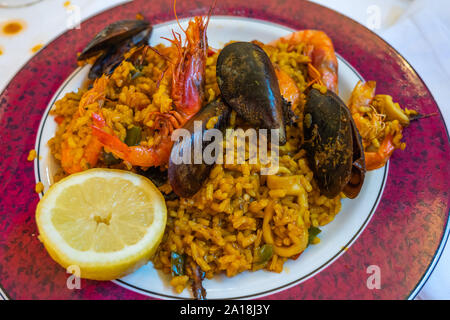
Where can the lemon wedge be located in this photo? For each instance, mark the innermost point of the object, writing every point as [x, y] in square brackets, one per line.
[106, 222]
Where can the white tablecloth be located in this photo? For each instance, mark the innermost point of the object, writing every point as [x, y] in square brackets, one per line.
[418, 29]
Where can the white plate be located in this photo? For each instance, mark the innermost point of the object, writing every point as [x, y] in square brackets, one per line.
[335, 237]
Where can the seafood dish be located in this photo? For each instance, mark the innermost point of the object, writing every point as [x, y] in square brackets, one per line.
[226, 215]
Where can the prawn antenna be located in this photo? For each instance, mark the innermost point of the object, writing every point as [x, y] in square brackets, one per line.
[176, 17]
[160, 54]
[211, 9]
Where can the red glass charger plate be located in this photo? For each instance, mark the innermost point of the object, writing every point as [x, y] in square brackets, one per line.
[404, 237]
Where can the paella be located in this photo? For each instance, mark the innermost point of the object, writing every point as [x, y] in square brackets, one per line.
[144, 107]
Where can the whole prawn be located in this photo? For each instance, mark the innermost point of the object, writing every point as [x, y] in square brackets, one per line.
[323, 67]
[187, 93]
[362, 96]
[92, 100]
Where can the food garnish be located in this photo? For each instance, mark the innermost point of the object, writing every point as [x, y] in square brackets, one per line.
[106, 222]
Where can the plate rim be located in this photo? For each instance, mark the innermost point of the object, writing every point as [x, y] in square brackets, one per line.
[446, 234]
[277, 288]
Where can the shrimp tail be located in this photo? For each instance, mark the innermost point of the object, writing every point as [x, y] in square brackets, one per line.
[376, 160]
[135, 155]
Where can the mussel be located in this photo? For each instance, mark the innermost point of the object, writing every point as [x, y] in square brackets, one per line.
[333, 145]
[248, 84]
[186, 177]
[113, 42]
[354, 185]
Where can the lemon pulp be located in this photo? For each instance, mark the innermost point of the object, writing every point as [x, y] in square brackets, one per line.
[106, 222]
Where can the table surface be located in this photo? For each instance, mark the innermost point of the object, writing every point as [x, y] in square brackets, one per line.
[397, 21]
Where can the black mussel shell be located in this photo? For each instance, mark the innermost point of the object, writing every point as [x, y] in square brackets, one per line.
[354, 185]
[158, 177]
[328, 140]
[111, 58]
[113, 34]
[186, 179]
[248, 84]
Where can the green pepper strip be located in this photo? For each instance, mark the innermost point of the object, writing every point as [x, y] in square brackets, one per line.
[133, 136]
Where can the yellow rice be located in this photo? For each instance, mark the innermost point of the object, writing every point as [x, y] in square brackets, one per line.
[220, 229]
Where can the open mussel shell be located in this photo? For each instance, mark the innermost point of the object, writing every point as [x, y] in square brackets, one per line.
[248, 84]
[333, 145]
[111, 58]
[187, 177]
[354, 185]
[113, 42]
[113, 34]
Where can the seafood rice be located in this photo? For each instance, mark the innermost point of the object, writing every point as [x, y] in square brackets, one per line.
[239, 220]
[220, 228]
